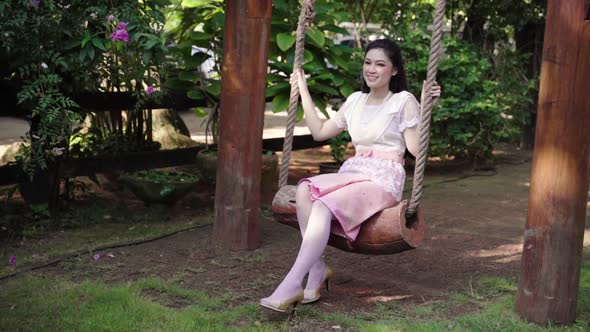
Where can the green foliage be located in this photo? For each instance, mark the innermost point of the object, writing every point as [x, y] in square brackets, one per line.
[56, 120]
[483, 102]
[481, 106]
[333, 69]
[89, 59]
[197, 29]
[51, 51]
[338, 146]
[500, 18]
[159, 176]
[200, 24]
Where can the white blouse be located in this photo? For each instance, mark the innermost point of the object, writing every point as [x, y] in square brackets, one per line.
[379, 127]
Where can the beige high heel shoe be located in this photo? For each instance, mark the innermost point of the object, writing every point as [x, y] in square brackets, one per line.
[283, 306]
[313, 295]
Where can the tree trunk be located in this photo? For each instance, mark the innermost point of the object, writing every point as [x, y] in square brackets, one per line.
[169, 130]
[553, 238]
[243, 84]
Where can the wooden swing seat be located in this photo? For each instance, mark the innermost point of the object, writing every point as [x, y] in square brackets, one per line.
[386, 232]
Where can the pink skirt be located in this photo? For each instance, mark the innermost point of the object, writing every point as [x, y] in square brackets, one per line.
[352, 198]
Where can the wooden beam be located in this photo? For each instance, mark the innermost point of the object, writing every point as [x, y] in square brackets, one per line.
[243, 84]
[116, 101]
[553, 238]
[129, 162]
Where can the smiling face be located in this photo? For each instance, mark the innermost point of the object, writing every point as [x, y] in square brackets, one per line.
[378, 69]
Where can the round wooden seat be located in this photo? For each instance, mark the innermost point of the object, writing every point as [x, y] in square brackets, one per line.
[386, 232]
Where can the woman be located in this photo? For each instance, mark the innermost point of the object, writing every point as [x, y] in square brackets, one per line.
[382, 121]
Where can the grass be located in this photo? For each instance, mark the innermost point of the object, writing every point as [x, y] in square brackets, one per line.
[492, 309]
[39, 304]
[33, 303]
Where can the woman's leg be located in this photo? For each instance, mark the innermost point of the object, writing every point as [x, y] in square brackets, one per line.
[304, 205]
[312, 247]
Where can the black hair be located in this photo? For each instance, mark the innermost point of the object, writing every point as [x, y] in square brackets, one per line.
[398, 82]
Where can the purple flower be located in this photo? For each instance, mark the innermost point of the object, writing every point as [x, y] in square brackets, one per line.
[122, 25]
[12, 260]
[111, 18]
[36, 3]
[120, 35]
[97, 257]
[149, 90]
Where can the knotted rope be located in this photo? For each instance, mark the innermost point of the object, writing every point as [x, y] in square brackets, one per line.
[424, 126]
[305, 17]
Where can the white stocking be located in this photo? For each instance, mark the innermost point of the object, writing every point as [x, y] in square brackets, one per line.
[312, 247]
[304, 205]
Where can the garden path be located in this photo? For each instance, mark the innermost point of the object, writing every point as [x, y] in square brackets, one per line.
[11, 128]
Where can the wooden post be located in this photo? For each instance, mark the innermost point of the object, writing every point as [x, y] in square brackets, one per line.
[243, 84]
[553, 237]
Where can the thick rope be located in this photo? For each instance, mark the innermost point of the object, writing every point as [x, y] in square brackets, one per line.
[305, 17]
[424, 127]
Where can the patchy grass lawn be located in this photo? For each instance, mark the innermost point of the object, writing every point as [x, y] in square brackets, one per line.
[81, 294]
[34, 303]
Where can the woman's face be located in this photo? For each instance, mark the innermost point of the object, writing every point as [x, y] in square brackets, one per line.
[377, 69]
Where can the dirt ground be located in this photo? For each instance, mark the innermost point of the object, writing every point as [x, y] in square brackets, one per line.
[474, 229]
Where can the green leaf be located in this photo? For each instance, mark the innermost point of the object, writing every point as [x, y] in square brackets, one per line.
[98, 44]
[214, 88]
[199, 35]
[195, 60]
[326, 76]
[83, 54]
[189, 76]
[334, 28]
[316, 37]
[150, 43]
[195, 94]
[346, 90]
[340, 61]
[338, 80]
[278, 88]
[307, 56]
[323, 88]
[177, 84]
[285, 41]
[284, 67]
[274, 78]
[91, 53]
[200, 112]
[280, 103]
[193, 3]
[321, 105]
[86, 39]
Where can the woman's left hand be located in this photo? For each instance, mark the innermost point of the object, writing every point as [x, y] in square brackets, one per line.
[435, 91]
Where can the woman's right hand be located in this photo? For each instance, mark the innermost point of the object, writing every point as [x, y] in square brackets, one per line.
[299, 76]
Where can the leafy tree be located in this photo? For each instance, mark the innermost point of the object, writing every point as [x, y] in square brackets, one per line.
[52, 50]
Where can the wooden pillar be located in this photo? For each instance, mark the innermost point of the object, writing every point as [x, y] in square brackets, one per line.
[243, 84]
[553, 237]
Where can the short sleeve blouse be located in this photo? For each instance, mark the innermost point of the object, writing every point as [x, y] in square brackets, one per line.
[398, 112]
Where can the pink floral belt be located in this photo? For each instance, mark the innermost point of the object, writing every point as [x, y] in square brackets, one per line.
[366, 153]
